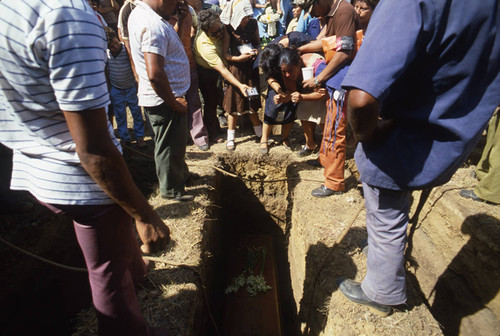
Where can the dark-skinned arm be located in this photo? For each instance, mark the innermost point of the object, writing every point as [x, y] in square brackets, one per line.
[363, 113]
[126, 42]
[105, 164]
[335, 64]
[182, 20]
[227, 75]
[319, 94]
[185, 19]
[313, 46]
[159, 81]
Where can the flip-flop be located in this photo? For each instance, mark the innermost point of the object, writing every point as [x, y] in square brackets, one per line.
[264, 149]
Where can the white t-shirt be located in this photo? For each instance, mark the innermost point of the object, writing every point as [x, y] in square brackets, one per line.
[149, 32]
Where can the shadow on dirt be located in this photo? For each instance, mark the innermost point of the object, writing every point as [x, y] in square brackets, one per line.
[472, 279]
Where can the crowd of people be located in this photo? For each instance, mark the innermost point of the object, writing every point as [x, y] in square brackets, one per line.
[231, 47]
[62, 75]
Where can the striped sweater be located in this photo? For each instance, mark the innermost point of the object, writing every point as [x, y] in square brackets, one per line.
[52, 58]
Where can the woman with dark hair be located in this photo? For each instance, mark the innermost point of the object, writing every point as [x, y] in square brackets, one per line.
[282, 69]
[209, 57]
[365, 9]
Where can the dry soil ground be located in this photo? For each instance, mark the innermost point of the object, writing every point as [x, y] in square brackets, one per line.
[319, 240]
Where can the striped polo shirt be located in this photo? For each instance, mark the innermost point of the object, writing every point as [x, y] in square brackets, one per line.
[119, 69]
[52, 58]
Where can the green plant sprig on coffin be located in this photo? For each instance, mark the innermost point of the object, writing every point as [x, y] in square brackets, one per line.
[254, 283]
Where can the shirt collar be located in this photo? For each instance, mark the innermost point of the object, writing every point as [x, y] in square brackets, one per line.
[334, 8]
[145, 6]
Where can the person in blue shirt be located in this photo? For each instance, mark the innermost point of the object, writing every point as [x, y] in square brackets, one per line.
[422, 90]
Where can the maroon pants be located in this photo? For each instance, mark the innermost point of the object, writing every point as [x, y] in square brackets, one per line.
[114, 262]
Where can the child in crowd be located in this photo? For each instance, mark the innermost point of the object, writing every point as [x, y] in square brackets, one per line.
[123, 89]
[95, 6]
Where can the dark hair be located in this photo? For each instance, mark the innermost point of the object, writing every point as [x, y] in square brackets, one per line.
[371, 3]
[269, 60]
[207, 18]
[289, 56]
[110, 34]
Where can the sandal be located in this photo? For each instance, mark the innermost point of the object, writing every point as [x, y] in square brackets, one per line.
[230, 146]
[305, 151]
[264, 149]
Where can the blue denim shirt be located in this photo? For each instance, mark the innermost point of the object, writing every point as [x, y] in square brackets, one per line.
[433, 65]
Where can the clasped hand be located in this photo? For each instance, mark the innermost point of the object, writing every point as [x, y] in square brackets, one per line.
[281, 98]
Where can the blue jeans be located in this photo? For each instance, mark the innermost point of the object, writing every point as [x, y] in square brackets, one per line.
[121, 98]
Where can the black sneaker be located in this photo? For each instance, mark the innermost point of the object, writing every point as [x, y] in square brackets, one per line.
[469, 193]
[353, 291]
[325, 192]
[180, 198]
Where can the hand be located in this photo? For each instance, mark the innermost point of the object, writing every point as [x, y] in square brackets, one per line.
[296, 97]
[181, 105]
[255, 53]
[243, 88]
[182, 10]
[281, 98]
[322, 91]
[246, 57]
[154, 234]
[309, 84]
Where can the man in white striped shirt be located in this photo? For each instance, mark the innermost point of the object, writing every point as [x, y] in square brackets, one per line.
[164, 78]
[52, 98]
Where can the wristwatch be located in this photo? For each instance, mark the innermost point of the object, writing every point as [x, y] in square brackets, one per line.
[316, 81]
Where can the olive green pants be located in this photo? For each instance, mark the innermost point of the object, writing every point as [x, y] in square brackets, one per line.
[488, 168]
[170, 137]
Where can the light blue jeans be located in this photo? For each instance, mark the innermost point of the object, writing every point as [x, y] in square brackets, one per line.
[386, 223]
[121, 98]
